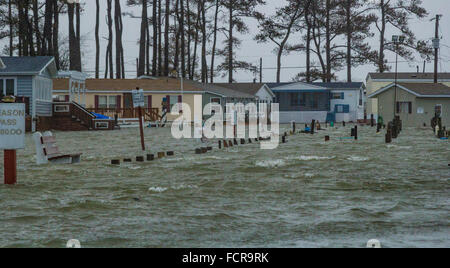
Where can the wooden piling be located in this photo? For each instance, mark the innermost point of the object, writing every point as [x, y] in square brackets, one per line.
[225, 144]
[249, 140]
[198, 151]
[372, 120]
[313, 125]
[327, 138]
[230, 144]
[283, 139]
[150, 157]
[127, 160]
[204, 150]
[235, 142]
[356, 132]
[161, 154]
[170, 153]
[115, 162]
[209, 148]
[220, 144]
[139, 159]
[242, 141]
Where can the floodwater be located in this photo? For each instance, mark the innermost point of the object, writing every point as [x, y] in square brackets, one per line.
[307, 193]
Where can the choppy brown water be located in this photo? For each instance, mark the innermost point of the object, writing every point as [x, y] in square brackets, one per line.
[308, 193]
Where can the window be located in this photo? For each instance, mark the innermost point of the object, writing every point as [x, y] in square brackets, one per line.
[342, 108]
[8, 87]
[112, 102]
[404, 107]
[102, 102]
[337, 96]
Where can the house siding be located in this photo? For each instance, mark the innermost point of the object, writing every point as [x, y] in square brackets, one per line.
[25, 88]
[386, 108]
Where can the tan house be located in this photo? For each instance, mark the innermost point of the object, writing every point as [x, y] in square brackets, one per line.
[114, 96]
[416, 103]
[376, 81]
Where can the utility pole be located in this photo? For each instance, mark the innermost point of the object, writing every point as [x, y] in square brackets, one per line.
[260, 70]
[436, 48]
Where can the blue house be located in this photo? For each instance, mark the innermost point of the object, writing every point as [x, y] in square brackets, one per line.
[302, 102]
[347, 101]
[29, 79]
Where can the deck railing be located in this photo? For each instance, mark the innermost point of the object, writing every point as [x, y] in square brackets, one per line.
[150, 114]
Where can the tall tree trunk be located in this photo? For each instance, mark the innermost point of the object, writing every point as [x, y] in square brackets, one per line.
[73, 53]
[349, 40]
[155, 38]
[29, 25]
[204, 63]
[177, 37]
[119, 46]
[160, 71]
[97, 40]
[194, 59]
[308, 54]
[382, 34]
[213, 51]
[183, 45]
[142, 41]
[230, 44]
[11, 32]
[110, 40]
[36, 27]
[47, 43]
[166, 39]
[147, 50]
[328, 40]
[56, 12]
[189, 37]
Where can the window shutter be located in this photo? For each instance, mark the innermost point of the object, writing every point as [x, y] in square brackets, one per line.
[398, 107]
[180, 98]
[342, 95]
[119, 102]
[149, 98]
[66, 98]
[410, 107]
[346, 108]
[96, 101]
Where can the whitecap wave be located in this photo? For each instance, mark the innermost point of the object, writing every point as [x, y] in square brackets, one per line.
[358, 158]
[271, 163]
[313, 157]
[157, 189]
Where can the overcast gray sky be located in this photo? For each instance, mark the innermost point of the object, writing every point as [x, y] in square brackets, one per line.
[252, 51]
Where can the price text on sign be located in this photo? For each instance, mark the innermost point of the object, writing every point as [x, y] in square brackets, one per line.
[12, 126]
[138, 98]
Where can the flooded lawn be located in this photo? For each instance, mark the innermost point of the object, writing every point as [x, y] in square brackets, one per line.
[307, 193]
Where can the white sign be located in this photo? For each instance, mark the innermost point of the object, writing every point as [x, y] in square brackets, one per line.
[138, 98]
[12, 126]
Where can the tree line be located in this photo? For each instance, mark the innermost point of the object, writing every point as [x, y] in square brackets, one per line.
[181, 37]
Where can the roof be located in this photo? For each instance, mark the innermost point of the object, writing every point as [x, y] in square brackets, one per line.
[28, 65]
[408, 76]
[274, 85]
[249, 88]
[163, 85]
[298, 86]
[421, 90]
[341, 85]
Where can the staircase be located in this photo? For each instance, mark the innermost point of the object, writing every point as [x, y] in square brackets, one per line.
[71, 116]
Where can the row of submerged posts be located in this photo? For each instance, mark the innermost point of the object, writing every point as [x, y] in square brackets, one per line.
[140, 158]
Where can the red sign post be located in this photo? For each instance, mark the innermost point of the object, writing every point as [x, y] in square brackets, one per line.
[10, 161]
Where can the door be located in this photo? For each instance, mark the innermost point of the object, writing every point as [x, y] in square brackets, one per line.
[128, 106]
